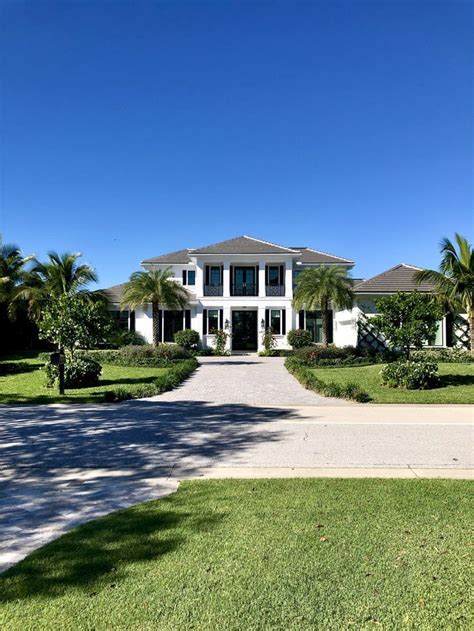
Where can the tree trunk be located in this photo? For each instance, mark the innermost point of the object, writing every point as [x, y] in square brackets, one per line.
[470, 316]
[156, 323]
[324, 324]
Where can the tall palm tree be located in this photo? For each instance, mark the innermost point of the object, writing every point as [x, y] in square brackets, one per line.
[319, 287]
[454, 282]
[12, 265]
[61, 274]
[158, 288]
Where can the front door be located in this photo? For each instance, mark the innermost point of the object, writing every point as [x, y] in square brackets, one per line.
[244, 331]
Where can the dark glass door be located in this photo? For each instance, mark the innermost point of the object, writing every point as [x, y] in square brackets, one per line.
[244, 281]
[244, 330]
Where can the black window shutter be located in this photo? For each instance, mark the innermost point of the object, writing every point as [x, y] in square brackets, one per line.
[283, 321]
[160, 320]
[267, 318]
[281, 274]
[266, 274]
[204, 321]
[222, 276]
[449, 329]
[221, 318]
[231, 280]
[187, 318]
[184, 277]
[330, 328]
[301, 319]
[207, 274]
[257, 275]
[132, 321]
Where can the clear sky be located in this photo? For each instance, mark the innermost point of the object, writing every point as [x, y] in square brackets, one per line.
[130, 129]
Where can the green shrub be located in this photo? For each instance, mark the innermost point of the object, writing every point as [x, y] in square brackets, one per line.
[149, 356]
[308, 379]
[220, 340]
[122, 337]
[444, 355]
[299, 338]
[412, 375]
[79, 372]
[177, 373]
[188, 338]
[332, 356]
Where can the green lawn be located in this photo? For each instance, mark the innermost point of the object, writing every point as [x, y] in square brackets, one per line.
[457, 384]
[29, 386]
[259, 554]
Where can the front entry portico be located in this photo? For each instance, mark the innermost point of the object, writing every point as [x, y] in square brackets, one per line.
[244, 330]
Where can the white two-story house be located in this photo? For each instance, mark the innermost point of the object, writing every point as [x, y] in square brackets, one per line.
[245, 285]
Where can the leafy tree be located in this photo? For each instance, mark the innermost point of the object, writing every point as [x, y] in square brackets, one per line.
[12, 271]
[454, 282]
[61, 274]
[407, 320]
[70, 321]
[320, 287]
[157, 288]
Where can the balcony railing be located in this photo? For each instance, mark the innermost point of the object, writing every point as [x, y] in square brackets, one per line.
[245, 289]
[213, 290]
[275, 290]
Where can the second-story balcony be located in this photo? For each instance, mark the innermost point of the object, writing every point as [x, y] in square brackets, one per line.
[244, 289]
[275, 290]
[213, 290]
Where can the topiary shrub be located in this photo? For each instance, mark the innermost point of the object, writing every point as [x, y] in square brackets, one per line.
[79, 372]
[412, 375]
[299, 338]
[188, 339]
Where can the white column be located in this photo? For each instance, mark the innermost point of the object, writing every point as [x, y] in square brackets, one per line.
[199, 278]
[289, 279]
[289, 322]
[226, 281]
[260, 317]
[227, 316]
[261, 279]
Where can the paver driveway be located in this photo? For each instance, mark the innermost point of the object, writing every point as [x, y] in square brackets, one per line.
[62, 465]
[246, 380]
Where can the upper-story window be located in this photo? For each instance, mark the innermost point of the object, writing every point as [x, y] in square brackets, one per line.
[215, 275]
[275, 280]
[189, 277]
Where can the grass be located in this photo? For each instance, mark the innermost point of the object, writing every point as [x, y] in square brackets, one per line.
[457, 384]
[259, 554]
[28, 386]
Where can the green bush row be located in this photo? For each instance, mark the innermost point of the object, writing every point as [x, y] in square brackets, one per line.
[444, 355]
[177, 373]
[308, 379]
[329, 356]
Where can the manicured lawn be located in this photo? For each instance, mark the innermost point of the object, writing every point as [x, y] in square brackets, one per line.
[457, 384]
[28, 386]
[259, 554]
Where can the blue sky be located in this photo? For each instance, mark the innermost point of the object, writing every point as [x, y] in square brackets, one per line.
[131, 129]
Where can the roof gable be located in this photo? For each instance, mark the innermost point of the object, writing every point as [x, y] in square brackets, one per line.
[401, 277]
[243, 245]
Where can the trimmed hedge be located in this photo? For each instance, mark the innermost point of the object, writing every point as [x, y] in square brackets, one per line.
[308, 379]
[148, 356]
[177, 373]
[444, 355]
[335, 357]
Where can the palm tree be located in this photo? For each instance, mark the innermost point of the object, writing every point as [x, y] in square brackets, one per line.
[454, 282]
[158, 288]
[319, 287]
[11, 269]
[61, 274]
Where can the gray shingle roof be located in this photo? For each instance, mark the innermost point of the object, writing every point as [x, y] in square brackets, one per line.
[114, 293]
[310, 256]
[180, 256]
[243, 245]
[398, 278]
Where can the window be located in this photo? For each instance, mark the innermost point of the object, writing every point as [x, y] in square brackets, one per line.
[120, 318]
[215, 276]
[173, 322]
[437, 340]
[275, 321]
[212, 320]
[314, 325]
[274, 275]
[189, 277]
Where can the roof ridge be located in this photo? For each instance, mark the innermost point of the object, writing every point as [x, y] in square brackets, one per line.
[275, 245]
[334, 256]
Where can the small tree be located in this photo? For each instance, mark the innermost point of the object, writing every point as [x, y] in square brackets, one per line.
[269, 340]
[71, 321]
[407, 320]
